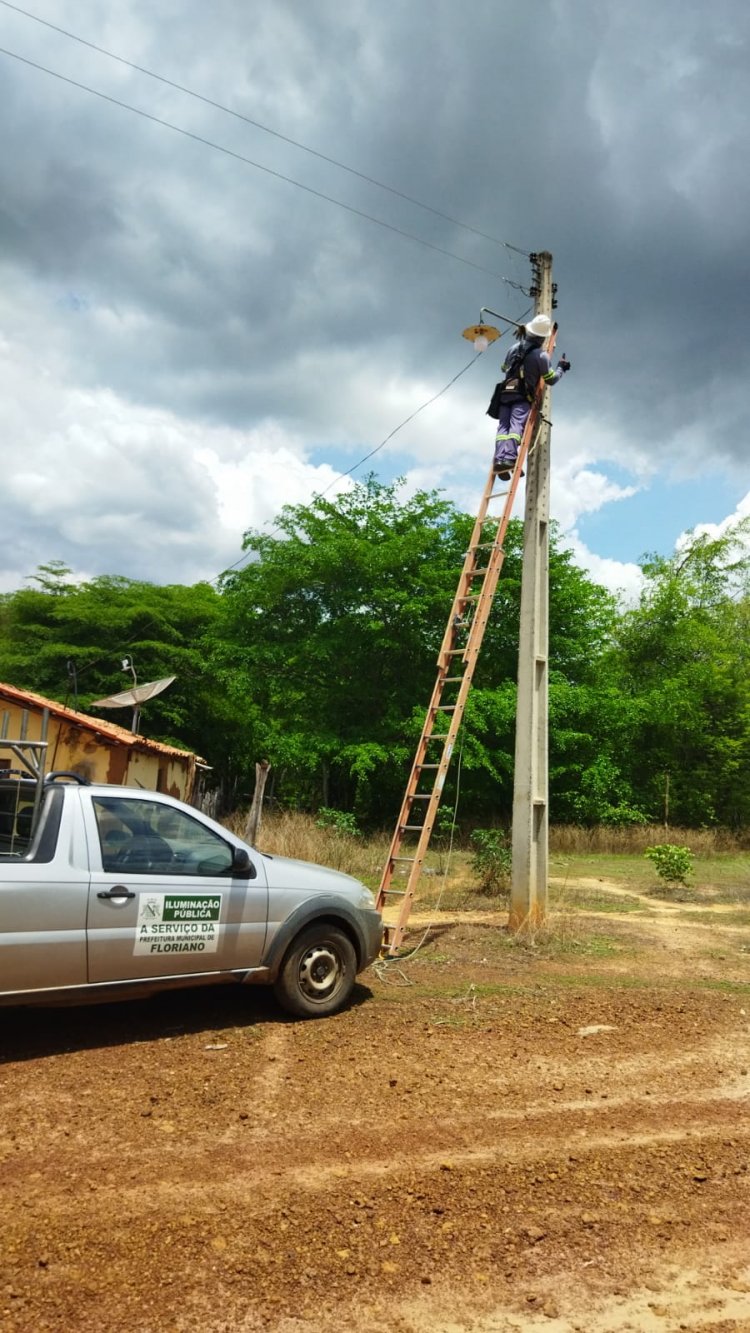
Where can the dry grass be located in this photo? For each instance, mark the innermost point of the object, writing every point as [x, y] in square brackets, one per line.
[574, 839]
[572, 847]
[289, 833]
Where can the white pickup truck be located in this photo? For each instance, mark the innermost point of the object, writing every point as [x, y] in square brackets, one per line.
[121, 891]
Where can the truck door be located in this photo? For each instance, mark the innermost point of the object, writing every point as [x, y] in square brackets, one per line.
[166, 900]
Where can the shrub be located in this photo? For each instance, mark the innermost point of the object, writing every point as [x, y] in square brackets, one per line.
[443, 831]
[340, 822]
[673, 864]
[491, 859]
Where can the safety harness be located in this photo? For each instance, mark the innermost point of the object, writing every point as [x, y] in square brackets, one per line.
[515, 380]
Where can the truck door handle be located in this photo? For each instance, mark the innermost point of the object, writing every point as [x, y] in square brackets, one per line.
[119, 891]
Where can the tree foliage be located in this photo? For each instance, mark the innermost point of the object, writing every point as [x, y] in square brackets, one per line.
[67, 640]
[683, 657]
[328, 637]
[320, 656]
[333, 631]
[673, 864]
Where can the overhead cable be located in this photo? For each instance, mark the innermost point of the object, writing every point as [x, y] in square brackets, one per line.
[319, 494]
[258, 125]
[403, 423]
[240, 157]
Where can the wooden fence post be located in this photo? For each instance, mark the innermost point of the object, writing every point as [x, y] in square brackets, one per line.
[252, 824]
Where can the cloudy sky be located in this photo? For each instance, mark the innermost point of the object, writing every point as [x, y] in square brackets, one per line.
[188, 341]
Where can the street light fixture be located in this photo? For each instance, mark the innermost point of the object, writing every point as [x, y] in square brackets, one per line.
[481, 334]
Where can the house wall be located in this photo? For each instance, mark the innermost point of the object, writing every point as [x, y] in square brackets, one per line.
[99, 757]
[159, 773]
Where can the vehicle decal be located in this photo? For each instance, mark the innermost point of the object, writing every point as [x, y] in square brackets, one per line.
[178, 923]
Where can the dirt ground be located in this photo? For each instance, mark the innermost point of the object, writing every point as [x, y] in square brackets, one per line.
[493, 1137]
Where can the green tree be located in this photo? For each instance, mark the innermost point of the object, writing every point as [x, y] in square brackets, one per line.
[67, 640]
[328, 640]
[683, 656]
[329, 636]
[320, 655]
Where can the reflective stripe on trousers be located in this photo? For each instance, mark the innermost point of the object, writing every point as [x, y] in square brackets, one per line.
[510, 424]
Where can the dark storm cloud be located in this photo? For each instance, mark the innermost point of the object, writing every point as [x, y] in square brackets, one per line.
[183, 280]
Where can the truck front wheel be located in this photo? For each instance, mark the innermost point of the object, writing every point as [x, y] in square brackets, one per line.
[318, 972]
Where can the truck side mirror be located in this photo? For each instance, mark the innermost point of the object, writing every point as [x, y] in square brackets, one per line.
[241, 861]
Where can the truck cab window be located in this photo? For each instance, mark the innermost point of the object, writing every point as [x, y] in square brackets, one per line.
[146, 837]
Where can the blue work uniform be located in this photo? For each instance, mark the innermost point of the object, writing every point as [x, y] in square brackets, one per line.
[516, 400]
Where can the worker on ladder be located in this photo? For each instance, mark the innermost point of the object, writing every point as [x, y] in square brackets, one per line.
[526, 363]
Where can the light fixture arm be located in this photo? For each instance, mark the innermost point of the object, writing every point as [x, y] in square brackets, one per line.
[485, 310]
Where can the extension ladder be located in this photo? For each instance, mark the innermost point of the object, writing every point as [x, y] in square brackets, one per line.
[456, 664]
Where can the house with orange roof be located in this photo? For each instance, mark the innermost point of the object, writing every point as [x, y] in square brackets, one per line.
[63, 739]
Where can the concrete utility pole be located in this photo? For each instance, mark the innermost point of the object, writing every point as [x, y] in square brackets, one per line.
[528, 894]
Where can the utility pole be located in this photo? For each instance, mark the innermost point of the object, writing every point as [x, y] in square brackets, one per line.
[528, 894]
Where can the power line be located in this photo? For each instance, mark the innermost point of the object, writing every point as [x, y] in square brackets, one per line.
[319, 494]
[240, 157]
[285, 138]
[403, 423]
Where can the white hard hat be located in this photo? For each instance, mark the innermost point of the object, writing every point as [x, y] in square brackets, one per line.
[539, 327]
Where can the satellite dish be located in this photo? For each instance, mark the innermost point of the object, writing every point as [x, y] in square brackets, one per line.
[135, 697]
